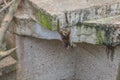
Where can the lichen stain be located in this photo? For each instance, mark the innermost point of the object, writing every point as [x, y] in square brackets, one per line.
[45, 19]
[112, 40]
[100, 34]
[106, 34]
[110, 50]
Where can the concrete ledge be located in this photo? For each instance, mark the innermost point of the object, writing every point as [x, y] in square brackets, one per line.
[77, 10]
[38, 21]
[101, 31]
[107, 29]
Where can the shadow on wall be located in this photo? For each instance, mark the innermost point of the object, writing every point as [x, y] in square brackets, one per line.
[10, 76]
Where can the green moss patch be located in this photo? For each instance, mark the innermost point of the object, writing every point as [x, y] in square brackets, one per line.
[45, 19]
[103, 33]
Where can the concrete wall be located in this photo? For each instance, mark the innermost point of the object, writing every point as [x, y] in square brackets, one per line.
[48, 60]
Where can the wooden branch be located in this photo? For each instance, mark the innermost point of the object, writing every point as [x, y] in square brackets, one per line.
[5, 25]
[4, 54]
[6, 6]
[5, 2]
[7, 20]
[66, 19]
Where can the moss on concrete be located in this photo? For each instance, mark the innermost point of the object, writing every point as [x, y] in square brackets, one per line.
[45, 19]
[103, 36]
[100, 37]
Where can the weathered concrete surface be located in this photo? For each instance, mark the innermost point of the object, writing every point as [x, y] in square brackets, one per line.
[108, 20]
[94, 32]
[48, 60]
[26, 21]
[77, 11]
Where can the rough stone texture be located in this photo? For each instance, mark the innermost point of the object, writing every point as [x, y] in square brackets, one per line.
[77, 11]
[92, 30]
[7, 65]
[108, 20]
[9, 76]
[48, 60]
[59, 6]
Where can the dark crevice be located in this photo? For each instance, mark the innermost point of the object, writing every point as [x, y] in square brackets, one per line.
[109, 43]
[110, 50]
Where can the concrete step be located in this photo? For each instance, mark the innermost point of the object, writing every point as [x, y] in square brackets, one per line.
[107, 30]
[93, 30]
[47, 12]
[7, 65]
[113, 20]
[100, 31]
